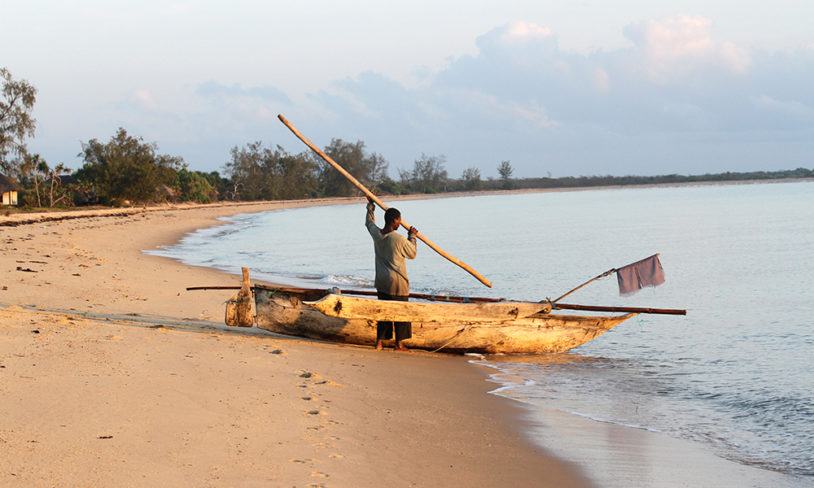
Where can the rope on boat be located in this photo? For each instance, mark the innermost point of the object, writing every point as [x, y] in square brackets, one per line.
[454, 337]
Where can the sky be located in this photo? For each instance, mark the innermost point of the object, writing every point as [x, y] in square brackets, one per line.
[558, 88]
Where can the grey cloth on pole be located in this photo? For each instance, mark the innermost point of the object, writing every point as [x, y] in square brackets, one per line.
[634, 277]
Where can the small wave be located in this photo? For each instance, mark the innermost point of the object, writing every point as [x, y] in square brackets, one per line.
[611, 421]
[349, 281]
[442, 293]
[749, 426]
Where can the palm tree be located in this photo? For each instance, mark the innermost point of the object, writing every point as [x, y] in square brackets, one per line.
[34, 164]
[42, 168]
[55, 177]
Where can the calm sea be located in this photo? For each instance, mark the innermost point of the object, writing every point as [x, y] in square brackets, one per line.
[735, 375]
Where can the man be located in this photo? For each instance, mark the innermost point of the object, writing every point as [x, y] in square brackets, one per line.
[391, 271]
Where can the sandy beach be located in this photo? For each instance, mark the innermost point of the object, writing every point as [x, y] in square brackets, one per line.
[112, 374]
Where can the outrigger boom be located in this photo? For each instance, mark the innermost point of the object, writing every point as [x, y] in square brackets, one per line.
[317, 292]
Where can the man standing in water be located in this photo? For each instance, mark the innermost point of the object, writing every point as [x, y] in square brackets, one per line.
[391, 271]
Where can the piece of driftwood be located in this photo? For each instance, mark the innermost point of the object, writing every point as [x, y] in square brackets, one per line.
[239, 307]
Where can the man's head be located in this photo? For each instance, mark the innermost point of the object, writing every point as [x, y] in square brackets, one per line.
[392, 216]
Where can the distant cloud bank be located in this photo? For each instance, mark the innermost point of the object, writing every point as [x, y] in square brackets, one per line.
[675, 100]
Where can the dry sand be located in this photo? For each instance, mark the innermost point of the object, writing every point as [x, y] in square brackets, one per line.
[111, 374]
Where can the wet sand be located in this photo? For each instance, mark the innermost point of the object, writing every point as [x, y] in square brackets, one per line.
[616, 456]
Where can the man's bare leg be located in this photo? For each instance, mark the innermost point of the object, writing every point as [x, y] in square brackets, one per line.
[401, 347]
[379, 345]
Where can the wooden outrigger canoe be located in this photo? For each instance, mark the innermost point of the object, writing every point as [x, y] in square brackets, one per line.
[492, 327]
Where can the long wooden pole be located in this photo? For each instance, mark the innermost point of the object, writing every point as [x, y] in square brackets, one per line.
[596, 308]
[378, 202]
[454, 299]
[606, 273]
[422, 296]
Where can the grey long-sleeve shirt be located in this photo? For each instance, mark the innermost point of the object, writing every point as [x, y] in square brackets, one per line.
[391, 250]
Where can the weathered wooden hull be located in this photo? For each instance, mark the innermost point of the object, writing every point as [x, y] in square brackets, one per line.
[285, 313]
[348, 307]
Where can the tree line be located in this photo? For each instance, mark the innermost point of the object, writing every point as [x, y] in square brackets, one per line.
[127, 170]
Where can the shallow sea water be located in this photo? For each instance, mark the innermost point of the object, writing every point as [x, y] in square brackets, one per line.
[735, 375]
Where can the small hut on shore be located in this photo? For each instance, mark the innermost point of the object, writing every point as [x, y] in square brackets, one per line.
[9, 190]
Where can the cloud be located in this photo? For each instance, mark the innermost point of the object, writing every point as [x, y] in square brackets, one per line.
[678, 98]
[144, 99]
[521, 32]
[782, 113]
[601, 80]
[675, 47]
[233, 109]
[213, 89]
[793, 108]
[737, 59]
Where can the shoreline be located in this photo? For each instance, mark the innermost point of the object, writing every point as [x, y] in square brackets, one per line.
[113, 374]
[614, 455]
[23, 218]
